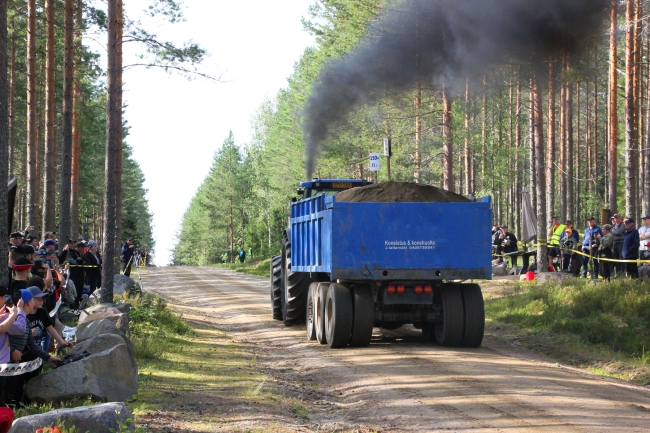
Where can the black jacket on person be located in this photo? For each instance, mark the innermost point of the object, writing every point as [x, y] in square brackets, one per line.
[90, 260]
[512, 247]
[127, 253]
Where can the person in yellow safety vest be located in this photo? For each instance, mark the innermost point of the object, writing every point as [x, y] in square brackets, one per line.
[554, 244]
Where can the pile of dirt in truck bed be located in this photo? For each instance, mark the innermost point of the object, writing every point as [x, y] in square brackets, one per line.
[403, 192]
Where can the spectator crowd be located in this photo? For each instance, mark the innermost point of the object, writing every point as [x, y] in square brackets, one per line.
[611, 251]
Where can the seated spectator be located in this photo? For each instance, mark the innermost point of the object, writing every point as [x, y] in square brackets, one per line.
[24, 349]
[12, 322]
[42, 324]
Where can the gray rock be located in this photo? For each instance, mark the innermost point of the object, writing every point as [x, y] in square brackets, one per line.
[111, 375]
[90, 316]
[644, 272]
[121, 320]
[499, 270]
[100, 344]
[102, 327]
[558, 277]
[124, 308]
[122, 283]
[100, 418]
[96, 309]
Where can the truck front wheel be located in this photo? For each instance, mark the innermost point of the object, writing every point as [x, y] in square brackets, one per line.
[276, 287]
[295, 286]
[449, 331]
[338, 316]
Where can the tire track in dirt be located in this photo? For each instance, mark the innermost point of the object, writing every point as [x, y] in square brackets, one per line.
[398, 382]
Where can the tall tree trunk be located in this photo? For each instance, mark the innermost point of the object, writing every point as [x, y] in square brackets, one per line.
[531, 139]
[4, 151]
[518, 156]
[418, 131]
[113, 141]
[613, 110]
[32, 148]
[538, 119]
[596, 161]
[118, 148]
[484, 134]
[629, 107]
[550, 148]
[66, 160]
[12, 104]
[76, 131]
[469, 188]
[570, 209]
[49, 192]
[646, 150]
[448, 150]
[563, 147]
[638, 103]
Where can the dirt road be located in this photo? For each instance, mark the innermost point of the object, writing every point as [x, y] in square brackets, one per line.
[401, 384]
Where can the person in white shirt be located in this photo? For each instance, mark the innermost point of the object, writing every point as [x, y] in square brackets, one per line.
[644, 236]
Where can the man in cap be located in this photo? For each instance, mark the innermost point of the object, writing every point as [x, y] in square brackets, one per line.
[16, 238]
[127, 256]
[630, 251]
[555, 233]
[590, 246]
[507, 245]
[21, 269]
[76, 260]
[618, 230]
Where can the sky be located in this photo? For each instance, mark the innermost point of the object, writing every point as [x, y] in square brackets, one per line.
[176, 125]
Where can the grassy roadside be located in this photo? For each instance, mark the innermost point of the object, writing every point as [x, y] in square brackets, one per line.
[604, 327]
[258, 267]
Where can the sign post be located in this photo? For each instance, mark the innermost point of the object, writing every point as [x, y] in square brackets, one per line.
[388, 152]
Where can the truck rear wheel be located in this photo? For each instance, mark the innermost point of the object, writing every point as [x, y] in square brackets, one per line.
[276, 287]
[474, 311]
[338, 316]
[311, 313]
[449, 331]
[363, 305]
[295, 288]
[321, 298]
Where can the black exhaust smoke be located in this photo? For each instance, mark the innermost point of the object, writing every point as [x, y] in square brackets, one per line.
[445, 41]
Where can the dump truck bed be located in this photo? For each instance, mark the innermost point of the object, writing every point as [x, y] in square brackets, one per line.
[391, 241]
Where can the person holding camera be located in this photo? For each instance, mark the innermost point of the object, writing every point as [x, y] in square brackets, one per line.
[127, 256]
[589, 246]
[93, 259]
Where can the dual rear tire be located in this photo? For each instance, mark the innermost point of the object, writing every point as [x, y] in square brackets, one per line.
[463, 317]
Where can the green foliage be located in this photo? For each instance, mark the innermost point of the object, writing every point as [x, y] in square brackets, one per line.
[615, 315]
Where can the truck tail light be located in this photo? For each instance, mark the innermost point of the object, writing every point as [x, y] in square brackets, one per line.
[400, 289]
[391, 289]
[418, 290]
[428, 290]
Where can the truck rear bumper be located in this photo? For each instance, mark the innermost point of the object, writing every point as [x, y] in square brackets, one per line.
[367, 274]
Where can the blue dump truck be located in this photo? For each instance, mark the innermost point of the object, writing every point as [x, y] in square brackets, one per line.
[347, 267]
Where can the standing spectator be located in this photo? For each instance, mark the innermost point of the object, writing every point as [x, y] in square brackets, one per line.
[127, 256]
[605, 252]
[644, 237]
[76, 261]
[569, 240]
[631, 248]
[16, 239]
[242, 255]
[555, 234]
[250, 254]
[590, 246]
[618, 230]
[12, 322]
[94, 273]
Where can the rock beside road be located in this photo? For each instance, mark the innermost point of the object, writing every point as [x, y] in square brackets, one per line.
[102, 327]
[111, 375]
[558, 277]
[120, 320]
[99, 344]
[100, 308]
[122, 283]
[101, 418]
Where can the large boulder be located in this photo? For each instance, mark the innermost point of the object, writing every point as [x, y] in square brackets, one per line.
[121, 320]
[499, 270]
[558, 277]
[101, 418]
[100, 344]
[644, 271]
[122, 283]
[111, 375]
[102, 327]
[90, 316]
